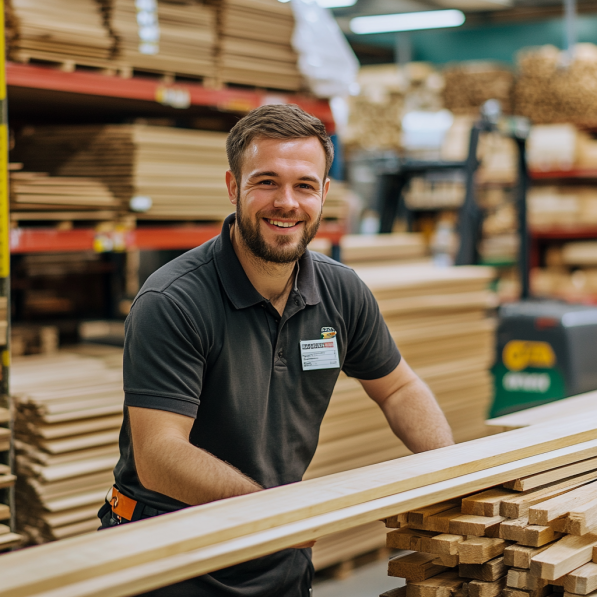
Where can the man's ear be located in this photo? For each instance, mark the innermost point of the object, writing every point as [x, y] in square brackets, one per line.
[326, 188]
[232, 187]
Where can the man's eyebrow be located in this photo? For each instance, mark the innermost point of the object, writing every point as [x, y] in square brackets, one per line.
[310, 179]
[268, 173]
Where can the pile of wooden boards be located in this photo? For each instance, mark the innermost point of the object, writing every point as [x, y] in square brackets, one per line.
[359, 250]
[469, 85]
[186, 43]
[7, 479]
[255, 44]
[68, 417]
[171, 173]
[440, 319]
[194, 541]
[387, 92]
[552, 88]
[38, 195]
[533, 536]
[58, 30]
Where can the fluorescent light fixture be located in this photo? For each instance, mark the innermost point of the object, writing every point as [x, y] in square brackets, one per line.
[336, 3]
[407, 21]
[330, 3]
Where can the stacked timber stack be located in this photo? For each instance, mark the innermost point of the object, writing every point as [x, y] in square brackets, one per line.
[533, 536]
[159, 172]
[552, 88]
[359, 250]
[387, 92]
[69, 412]
[35, 195]
[336, 203]
[59, 31]
[255, 45]
[179, 36]
[439, 319]
[7, 480]
[469, 85]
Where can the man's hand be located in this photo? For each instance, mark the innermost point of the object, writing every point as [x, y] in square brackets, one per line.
[411, 409]
[168, 463]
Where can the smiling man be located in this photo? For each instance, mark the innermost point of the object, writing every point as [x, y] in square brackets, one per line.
[232, 352]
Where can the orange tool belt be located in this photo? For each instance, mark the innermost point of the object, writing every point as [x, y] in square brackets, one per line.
[122, 506]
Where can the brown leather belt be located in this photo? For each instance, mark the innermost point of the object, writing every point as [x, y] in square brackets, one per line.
[122, 505]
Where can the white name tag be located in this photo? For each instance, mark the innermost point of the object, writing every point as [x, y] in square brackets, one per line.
[319, 354]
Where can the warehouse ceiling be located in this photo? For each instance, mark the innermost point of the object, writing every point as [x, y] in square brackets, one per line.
[479, 13]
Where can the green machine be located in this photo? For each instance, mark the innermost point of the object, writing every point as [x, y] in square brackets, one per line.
[546, 351]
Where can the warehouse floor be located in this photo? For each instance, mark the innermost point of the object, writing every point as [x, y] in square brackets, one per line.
[366, 581]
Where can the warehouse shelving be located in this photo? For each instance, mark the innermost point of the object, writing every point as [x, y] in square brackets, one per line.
[179, 95]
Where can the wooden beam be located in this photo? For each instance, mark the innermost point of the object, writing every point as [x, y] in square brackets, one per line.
[217, 535]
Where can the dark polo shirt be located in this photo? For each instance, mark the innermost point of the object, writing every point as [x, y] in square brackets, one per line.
[202, 342]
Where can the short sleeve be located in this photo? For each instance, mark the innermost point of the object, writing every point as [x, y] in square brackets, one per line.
[163, 357]
[371, 352]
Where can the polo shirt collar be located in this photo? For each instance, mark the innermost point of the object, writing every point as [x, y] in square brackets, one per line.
[236, 283]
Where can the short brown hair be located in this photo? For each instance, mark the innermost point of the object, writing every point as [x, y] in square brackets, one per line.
[286, 121]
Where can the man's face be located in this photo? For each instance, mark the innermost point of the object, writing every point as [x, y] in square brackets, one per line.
[279, 197]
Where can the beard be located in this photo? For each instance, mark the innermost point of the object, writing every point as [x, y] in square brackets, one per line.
[285, 250]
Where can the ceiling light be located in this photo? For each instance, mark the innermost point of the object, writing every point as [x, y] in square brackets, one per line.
[407, 21]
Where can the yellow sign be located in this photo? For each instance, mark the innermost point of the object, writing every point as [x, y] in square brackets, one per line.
[520, 354]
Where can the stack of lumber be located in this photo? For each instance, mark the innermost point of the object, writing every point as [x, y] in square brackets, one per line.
[57, 30]
[561, 205]
[68, 417]
[550, 88]
[178, 172]
[433, 192]
[583, 404]
[7, 480]
[198, 540]
[186, 42]
[400, 247]
[439, 319]
[38, 195]
[336, 203]
[468, 85]
[387, 92]
[533, 536]
[254, 45]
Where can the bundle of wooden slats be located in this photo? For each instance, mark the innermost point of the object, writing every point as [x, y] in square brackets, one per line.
[336, 203]
[37, 194]
[178, 173]
[359, 250]
[255, 46]
[7, 479]
[185, 45]
[439, 319]
[552, 88]
[198, 540]
[58, 30]
[69, 412]
[533, 536]
[469, 85]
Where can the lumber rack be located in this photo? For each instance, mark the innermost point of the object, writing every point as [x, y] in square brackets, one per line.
[160, 551]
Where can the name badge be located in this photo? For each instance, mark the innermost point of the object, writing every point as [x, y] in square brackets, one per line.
[319, 354]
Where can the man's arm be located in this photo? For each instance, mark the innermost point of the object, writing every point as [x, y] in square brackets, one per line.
[169, 464]
[411, 409]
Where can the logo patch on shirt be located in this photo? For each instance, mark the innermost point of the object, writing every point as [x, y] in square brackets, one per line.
[327, 333]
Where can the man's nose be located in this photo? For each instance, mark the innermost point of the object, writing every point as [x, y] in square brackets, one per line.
[285, 198]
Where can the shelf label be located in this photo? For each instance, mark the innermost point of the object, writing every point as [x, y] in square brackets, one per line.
[175, 97]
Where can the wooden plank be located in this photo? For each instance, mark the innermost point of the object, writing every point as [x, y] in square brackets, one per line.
[414, 567]
[513, 530]
[445, 544]
[519, 556]
[486, 503]
[440, 523]
[557, 474]
[420, 516]
[478, 550]
[243, 537]
[563, 556]
[536, 536]
[519, 505]
[409, 539]
[583, 580]
[479, 588]
[556, 507]
[489, 572]
[583, 519]
[479, 526]
[398, 592]
[442, 585]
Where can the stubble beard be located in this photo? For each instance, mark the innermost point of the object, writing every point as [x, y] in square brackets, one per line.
[285, 250]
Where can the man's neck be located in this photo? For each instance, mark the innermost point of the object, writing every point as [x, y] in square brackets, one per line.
[273, 281]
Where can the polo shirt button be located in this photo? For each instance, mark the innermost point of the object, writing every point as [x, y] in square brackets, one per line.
[297, 302]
